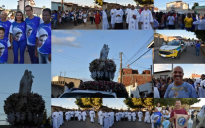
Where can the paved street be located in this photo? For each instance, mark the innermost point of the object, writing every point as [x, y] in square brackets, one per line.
[11, 57]
[70, 25]
[88, 124]
[187, 56]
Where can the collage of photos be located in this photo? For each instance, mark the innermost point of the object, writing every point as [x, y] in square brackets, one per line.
[115, 64]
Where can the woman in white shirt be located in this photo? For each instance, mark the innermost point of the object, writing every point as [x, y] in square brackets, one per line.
[171, 20]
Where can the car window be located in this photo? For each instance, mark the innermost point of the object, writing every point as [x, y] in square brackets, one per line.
[174, 43]
[86, 95]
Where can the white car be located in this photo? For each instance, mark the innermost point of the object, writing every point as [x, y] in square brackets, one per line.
[87, 94]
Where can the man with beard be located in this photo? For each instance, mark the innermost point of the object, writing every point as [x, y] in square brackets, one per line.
[176, 111]
[133, 18]
[179, 88]
[118, 18]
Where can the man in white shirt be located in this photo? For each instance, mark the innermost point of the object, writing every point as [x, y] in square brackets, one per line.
[118, 18]
[201, 116]
[112, 14]
[100, 120]
[84, 115]
[55, 118]
[133, 18]
[92, 115]
[105, 21]
[146, 19]
[126, 13]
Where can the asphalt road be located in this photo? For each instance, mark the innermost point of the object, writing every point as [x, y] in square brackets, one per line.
[88, 124]
[70, 25]
[187, 56]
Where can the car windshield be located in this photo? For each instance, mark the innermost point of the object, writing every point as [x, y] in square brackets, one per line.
[86, 95]
[174, 43]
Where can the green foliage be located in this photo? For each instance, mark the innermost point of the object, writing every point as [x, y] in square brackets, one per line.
[144, 1]
[138, 102]
[195, 4]
[200, 34]
[171, 101]
[89, 102]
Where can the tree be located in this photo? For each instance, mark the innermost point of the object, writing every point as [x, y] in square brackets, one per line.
[99, 2]
[200, 34]
[195, 4]
[89, 102]
[138, 102]
[171, 101]
[141, 2]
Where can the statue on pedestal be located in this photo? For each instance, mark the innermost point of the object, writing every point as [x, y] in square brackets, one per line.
[104, 52]
[26, 82]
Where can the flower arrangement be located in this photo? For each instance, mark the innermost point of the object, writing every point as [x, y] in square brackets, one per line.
[24, 109]
[102, 69]
[103, 86]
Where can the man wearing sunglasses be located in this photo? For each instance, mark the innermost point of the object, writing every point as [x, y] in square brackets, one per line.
[179, 88]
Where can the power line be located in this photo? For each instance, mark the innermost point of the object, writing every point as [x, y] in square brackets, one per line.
[68, 58]
[140, 56]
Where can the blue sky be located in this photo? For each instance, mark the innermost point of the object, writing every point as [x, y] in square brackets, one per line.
[64, 102]
[10, 78]
[122, 2]
[181, 33]
[161, 4]
[12, 4]
[74, 50]
[70, 102]
[115, 103]
[188, 68]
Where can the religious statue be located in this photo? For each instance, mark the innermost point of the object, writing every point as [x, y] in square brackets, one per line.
[104, 52]
[26, 82]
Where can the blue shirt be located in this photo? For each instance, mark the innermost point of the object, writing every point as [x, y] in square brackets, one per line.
[157, 117]
[31, 29]
[4, 44]
[198, 45]
[183, 91]
[6, 25]
[18, 30]
[44, 38]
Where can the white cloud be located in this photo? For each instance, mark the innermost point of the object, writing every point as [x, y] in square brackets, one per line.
[199, 65]
[147, 56]
[161, 67]
[66, 41]
[85, 79]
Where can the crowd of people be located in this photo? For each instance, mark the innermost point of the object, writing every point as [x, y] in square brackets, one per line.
[132, 17]
[177, 87]
[31, 32]
[174, 20]
[76, 17]
[105, 118]
[166, 117]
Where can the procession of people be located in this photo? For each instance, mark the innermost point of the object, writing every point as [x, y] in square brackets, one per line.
[76, 17]
[129, 18]
[190, 88]
[106, 118]
[166, 116]
[175, 20]
[31, 33]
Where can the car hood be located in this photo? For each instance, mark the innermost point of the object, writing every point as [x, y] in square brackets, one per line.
[167, 47]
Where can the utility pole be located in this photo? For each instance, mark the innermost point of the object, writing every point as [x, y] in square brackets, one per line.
[64, 76]
[61, 5]
[121, 67]
[24, 5]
